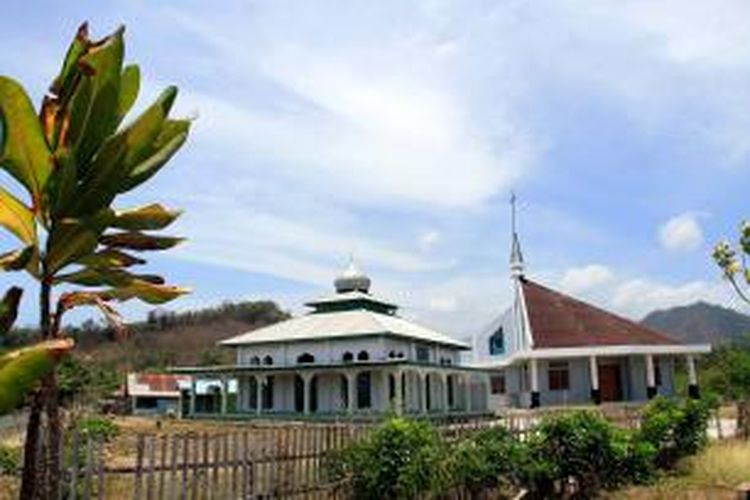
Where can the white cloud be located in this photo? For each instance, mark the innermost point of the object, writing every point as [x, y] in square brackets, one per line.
[681, 233]
[429, 239]
[638, 297]
[584, 278]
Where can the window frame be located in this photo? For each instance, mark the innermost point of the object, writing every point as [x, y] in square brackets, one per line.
[558, 376]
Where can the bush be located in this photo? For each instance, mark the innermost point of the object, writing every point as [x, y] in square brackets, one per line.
[400, 459]
[491, 459]
[10, 460]
[98, 428]
[675, 429]
[586, 448]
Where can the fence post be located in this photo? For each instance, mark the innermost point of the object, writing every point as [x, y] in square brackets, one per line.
[150, 467]
[194, 466]
[137, 487]
[100, 469]
[235, 463]
[88, 470]
[74, 466]
[162, 465]
[208, 492]
[173, 468]
[185, 458]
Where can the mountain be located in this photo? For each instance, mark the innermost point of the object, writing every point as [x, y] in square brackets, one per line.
[700, 322]
[166, 338]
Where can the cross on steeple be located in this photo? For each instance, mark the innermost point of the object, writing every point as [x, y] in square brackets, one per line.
[516, 256]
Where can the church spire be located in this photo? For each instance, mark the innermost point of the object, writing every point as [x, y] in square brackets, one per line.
[516, 256]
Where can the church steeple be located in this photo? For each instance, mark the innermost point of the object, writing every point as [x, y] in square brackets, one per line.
[516, 256]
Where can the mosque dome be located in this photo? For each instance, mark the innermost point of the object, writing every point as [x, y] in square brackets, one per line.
[352, 280]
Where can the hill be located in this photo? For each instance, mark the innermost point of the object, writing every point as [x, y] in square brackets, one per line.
[700, 322]
[167, 338]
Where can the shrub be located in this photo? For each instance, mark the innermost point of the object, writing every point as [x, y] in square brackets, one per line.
[10, 460]
[98, 428]
[400, 459]
[586, 448]
[675, 429]
[490, 459]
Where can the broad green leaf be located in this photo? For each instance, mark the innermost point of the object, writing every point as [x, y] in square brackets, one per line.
[61, 188]
[73, 239]
[120, 152]
[17, 218]
[55, 122]
[110, 277]
[9, 309]
[110, 258]
[130, 84]
[147, 168]
[17, 260]
[138, 241]
[149, 292]
[80, 45]
[104, 63]
[24, 153]
[22, 369]
[148, 217]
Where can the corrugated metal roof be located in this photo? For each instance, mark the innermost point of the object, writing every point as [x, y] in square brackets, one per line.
[341, 324]
[558, 320]
[155, 384]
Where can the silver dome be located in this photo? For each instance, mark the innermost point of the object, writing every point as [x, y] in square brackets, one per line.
[352, 280]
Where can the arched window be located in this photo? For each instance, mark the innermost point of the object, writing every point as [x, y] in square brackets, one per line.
[392, 354]
[364, 386]
[363, 356]
[305, 358]
[255, 360]
[497, 342]
[347, 357]
[268, 360]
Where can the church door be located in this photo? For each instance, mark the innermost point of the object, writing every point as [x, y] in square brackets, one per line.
[610, 382]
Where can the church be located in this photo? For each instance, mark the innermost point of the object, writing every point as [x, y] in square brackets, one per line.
[550, 349]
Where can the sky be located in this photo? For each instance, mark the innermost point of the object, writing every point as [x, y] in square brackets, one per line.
[395, 131]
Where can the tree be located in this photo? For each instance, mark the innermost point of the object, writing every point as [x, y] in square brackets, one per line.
[732, 260]
[74, 158]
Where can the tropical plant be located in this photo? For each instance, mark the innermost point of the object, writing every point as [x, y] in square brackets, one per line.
[21, 369]
[73, 159]
[731, 260]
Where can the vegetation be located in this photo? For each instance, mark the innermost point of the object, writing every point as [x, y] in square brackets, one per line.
[73, 158]
[98, 428]
[409, 459]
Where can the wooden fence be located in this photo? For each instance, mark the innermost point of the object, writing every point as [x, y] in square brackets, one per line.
[277, 461]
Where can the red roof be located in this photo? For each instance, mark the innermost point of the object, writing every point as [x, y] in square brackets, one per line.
[144, 383]
[558, 320]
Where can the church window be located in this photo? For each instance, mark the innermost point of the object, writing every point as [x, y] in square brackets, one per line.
[497, 342]
[363, 356]
[558, 374]
[347, 357]
[497, 383]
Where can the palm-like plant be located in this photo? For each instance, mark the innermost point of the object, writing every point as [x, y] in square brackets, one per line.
[73, 159]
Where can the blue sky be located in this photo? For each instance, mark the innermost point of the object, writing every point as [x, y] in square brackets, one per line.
[395, 131]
